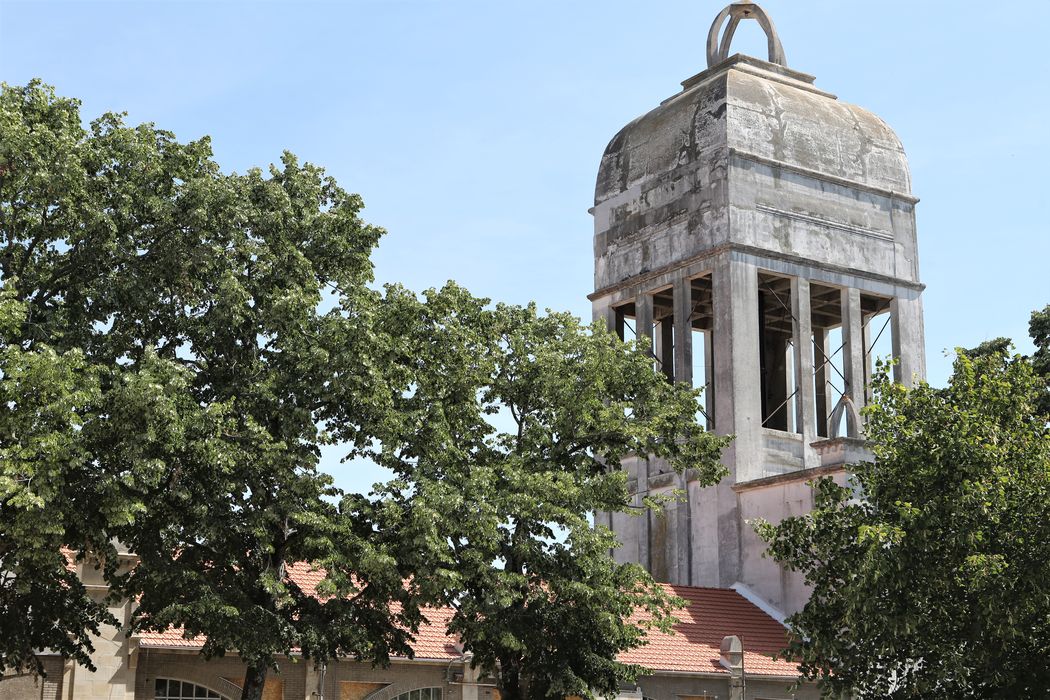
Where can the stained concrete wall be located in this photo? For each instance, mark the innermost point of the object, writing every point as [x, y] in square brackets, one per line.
[773, 501]
[648, 214]
[752, 154]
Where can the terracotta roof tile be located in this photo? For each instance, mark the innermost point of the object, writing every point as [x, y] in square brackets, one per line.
[431, 641]
[710, 614]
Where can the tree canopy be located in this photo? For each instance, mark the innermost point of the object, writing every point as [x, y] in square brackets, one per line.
[48, 498]
[930, 570]
[169, 362]
[180, 343]
[53, 492]
[507, 436]
[1039, 331]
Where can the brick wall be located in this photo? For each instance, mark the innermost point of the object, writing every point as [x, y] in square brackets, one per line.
[26, 686]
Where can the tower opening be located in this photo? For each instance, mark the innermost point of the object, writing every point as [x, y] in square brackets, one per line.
[779, 385]
[701, 331]
[878, 335]
[828, 371]
[626, 323]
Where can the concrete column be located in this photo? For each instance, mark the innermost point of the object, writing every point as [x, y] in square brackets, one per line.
[738, 403]
[469, 689]
[681, 568]
[604, 311]
[704, 517]
[806, 417]
[130, 667]
[737, 411]
[709, 379]
[683, 349]
[821, 355]
[909, 338]
[853, 354]
[69, 669]
[643, 305]
[868, 331]
[643, 309]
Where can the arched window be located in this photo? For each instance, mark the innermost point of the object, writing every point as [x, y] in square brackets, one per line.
[420, 694]
[168, 689]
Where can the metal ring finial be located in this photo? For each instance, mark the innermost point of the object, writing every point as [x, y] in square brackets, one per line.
[718, 51]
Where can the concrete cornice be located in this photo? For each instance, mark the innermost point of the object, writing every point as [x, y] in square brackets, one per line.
[757, 252]
[753, 66]
[788, 477]
[823, 177]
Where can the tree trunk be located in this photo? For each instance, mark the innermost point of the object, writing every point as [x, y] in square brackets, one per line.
[510, 682]
[254, 680]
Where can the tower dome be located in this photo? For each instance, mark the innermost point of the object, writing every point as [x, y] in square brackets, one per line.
[744, 138]
[756, 108]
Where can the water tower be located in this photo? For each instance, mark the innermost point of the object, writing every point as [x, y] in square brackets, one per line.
[761, 234]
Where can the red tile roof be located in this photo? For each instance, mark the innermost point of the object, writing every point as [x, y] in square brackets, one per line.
[431, 641]
[710, 614]
[71, 559]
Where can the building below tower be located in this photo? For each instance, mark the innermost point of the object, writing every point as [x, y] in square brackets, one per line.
[722, 647]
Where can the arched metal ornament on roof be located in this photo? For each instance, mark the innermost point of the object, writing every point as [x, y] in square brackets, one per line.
[718, 51]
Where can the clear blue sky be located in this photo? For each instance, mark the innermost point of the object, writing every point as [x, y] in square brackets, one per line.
[473, 130]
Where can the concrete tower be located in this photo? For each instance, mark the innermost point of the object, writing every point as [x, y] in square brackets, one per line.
[762, 234]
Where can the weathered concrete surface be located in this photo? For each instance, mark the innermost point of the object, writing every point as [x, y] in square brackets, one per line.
[752, 174]
[752, 155]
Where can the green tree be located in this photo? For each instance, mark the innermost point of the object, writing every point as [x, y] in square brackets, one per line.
[930, 571]
[1039, 331]
[180, 343]
[506, 434]
[53, 492]
[47, 498]
[169, 360]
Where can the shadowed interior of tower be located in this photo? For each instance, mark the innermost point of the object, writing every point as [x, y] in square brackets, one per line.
[779, 383]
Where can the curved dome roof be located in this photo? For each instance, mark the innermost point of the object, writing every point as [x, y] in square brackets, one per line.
[763, 110]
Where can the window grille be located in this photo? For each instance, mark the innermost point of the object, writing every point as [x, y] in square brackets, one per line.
[168, 689]
[421, 694]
